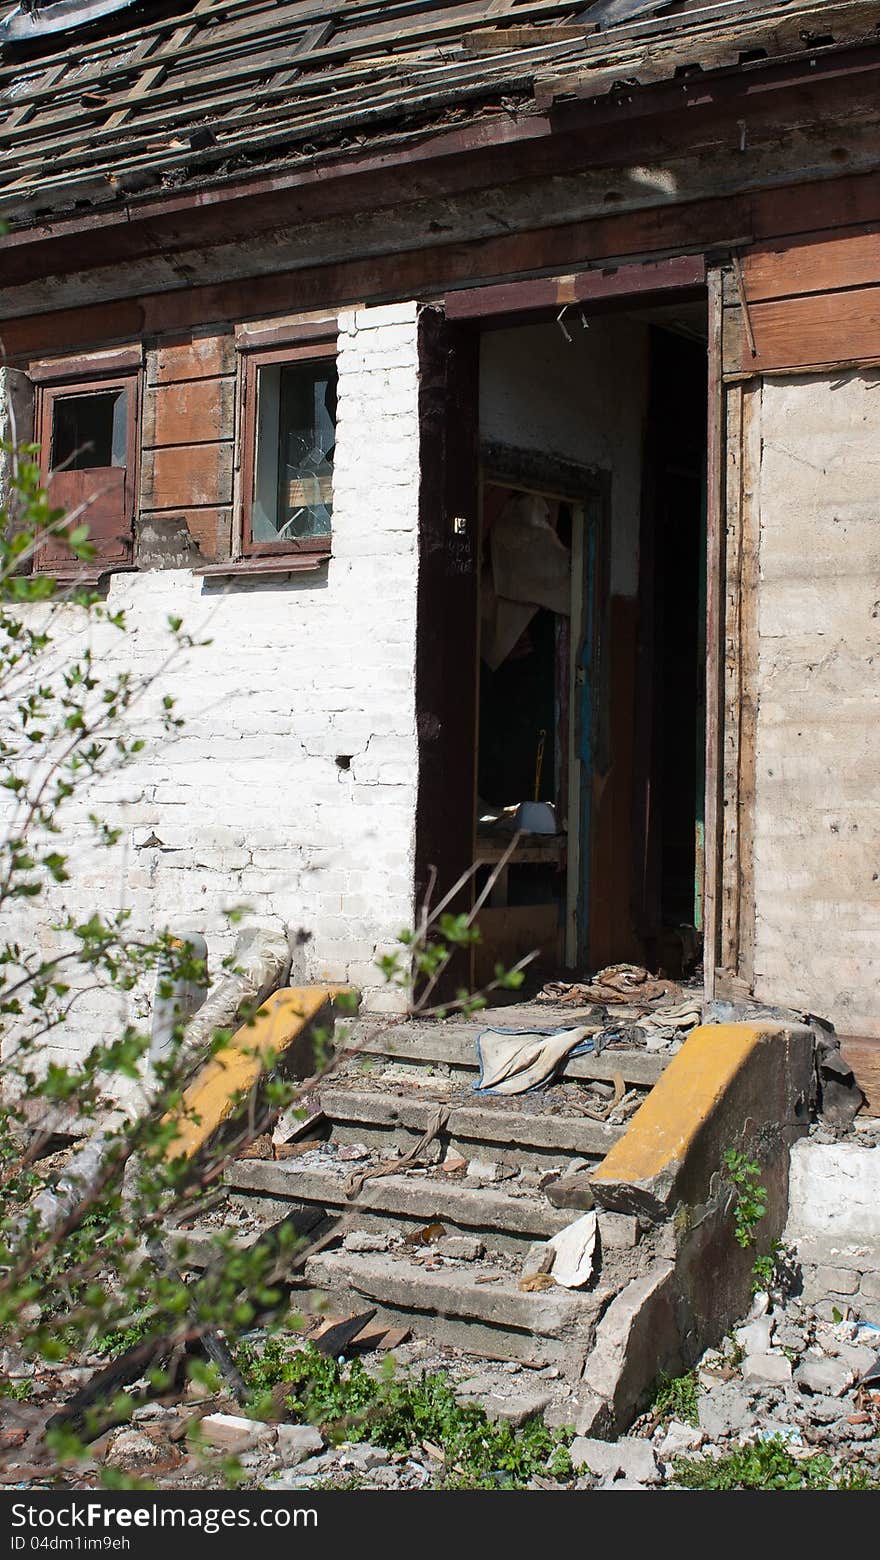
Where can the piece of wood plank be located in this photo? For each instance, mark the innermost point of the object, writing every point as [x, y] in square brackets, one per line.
[448, 72]
[509, 933]
[821, 263]
[714, 630]
[447, 658]
[863, 1056]
[194, 357]
[187, 476]
[810, 330]
[116, 360]
[344, 46]
[190, 411]
[144, 49]
[684, 271]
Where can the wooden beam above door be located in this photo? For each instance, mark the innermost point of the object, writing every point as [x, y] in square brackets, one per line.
[643, 280]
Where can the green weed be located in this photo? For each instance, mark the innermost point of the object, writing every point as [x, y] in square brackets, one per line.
[750, 1200]
[768, 1465]
[676, 1398]
[19, 1390]
[401, 1413]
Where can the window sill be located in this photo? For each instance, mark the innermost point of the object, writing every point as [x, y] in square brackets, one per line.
[87, 575]
[297, 563]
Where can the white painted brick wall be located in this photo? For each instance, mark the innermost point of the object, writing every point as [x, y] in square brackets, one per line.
[248, 802]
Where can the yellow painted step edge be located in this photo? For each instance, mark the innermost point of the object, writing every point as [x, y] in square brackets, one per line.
[211, 1096]
[682, 1100]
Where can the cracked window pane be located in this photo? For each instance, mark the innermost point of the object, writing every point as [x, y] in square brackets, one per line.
[296, 435]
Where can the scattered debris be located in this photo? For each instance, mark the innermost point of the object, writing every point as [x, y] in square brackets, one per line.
[233, 1434]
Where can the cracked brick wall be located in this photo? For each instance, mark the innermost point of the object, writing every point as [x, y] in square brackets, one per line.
[292, 785]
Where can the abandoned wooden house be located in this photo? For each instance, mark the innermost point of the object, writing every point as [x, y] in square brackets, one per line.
[496, 384]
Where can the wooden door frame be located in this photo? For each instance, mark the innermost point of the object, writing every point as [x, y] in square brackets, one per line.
[636, 285]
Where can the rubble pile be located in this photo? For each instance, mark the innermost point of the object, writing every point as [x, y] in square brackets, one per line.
[460, 1238]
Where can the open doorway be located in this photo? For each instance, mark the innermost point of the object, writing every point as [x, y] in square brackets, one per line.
[590, 708]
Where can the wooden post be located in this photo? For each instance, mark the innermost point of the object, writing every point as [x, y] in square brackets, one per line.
[714, 637]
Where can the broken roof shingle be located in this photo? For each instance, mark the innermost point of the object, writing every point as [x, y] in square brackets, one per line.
[161, 94]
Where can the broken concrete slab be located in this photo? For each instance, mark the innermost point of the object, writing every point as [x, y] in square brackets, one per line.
[515, 1410]
[755, 1337]
[363, 1456]
[629, 1458]
[461, 1248]
[132, 1451]
[553, 1327]
[486, 1172]
[724, 1411]
[618, 1231]
[680, 1439]
[365, 1240]
[538, 1259]
[234, 1434]
[767, 1370]
[461, 1205]
[297, 1442]
[570, 1191]
[636, 1340]
[827, 1378]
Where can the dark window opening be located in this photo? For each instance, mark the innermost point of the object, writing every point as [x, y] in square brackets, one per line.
[296, 436]
[89, 431]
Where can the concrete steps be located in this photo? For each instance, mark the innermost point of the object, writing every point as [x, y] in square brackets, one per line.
[452, 1046]
[482, 1313]
[521, 1137]
[409, 1201]
[381, 1098]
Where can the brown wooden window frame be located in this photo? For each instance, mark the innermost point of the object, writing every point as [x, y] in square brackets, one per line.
[254, 361]
[91, 381]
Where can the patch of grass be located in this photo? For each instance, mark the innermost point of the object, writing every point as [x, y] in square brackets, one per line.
[676, 1398]
[19, 1390]
[119, 1340]
[769, 1465]
[401, 1413]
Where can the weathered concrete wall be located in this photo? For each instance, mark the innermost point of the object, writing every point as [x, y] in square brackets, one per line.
[584, 400]
[249, 804]
[744, 1087]
[817, 811]
[834, 1225]
[16, 419]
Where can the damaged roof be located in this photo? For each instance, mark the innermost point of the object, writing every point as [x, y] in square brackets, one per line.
[104, 101]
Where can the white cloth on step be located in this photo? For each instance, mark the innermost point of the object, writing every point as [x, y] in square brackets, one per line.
[515, 1061]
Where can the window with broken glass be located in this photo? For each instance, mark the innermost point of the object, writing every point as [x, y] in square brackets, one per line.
[289, 451]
